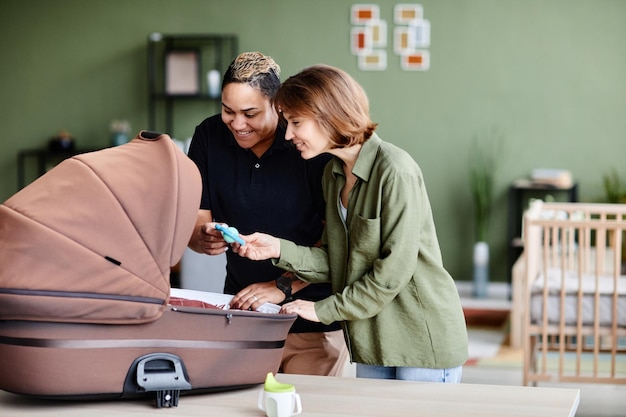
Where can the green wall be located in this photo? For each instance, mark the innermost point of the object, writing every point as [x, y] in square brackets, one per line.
[549, 74]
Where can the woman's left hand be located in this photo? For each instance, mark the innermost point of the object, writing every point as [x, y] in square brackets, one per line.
[304, 309]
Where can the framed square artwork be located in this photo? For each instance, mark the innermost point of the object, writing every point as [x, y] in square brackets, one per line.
[418, 60]
[404, 14]
[379, 32]
[421, 33]
[362, 13]
[403, 40]
[182, 72]
[361, 40]
[373, 61]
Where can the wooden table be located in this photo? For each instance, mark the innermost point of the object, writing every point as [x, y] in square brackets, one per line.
[332, 396]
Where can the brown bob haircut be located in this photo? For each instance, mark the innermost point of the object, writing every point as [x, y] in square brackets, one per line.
[333, 98]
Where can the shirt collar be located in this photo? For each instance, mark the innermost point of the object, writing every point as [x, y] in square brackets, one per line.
[364, 161]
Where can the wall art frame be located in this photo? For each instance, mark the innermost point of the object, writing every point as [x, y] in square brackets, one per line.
[182, 72]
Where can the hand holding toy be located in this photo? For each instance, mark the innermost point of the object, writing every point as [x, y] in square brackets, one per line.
[231, 234]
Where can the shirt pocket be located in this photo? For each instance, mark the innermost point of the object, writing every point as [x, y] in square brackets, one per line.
[364, 243]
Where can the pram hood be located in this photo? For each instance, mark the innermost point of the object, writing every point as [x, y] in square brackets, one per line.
[93, 240]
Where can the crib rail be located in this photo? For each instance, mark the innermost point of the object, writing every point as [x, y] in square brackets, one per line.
[574, 324]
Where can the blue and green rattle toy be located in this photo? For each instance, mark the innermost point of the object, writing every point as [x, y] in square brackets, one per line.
[231, 234]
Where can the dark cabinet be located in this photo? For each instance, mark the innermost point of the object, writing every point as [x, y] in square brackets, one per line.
[33, 163]
[521, 192]
[184, 69]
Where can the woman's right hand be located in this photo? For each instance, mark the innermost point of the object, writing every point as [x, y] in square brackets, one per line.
[259, 246]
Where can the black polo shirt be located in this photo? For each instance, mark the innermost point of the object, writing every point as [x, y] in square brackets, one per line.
[279, 193]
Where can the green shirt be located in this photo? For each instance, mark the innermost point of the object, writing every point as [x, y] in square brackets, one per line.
[397, 303]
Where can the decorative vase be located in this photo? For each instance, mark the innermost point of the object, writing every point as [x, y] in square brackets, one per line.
[118, 138]
[481, 269]
[213, 83]
[119, 132]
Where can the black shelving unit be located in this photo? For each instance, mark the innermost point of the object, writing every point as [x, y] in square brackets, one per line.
[211, 52]
[42, 160]
[520, 193]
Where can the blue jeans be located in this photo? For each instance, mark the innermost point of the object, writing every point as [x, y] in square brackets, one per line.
[451, 375]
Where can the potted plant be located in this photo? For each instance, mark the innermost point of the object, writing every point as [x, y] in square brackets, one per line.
[615, 193]
[482, 167]
[614, 187]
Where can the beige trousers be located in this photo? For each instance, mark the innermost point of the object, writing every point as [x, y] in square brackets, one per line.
[323, 353]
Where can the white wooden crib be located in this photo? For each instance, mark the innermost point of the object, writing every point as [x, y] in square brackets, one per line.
[574, 293]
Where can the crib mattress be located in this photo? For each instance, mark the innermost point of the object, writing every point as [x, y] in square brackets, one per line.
[606, 288]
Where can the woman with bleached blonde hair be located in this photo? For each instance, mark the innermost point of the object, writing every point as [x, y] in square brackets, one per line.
[253, 180]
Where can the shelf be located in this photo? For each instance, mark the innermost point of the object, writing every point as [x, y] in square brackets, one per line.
[497, 296]
[180, 63]
[203, 97]
[526, 184]
[44, 159]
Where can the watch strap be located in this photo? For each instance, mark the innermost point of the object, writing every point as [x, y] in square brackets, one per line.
[284, 284]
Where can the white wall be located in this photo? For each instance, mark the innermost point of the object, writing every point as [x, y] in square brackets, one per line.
[202, 272]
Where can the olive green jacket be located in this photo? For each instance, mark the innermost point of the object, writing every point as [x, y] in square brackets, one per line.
[397, 303]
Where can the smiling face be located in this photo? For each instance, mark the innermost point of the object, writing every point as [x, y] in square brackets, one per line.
[250, 116]
[307, 135]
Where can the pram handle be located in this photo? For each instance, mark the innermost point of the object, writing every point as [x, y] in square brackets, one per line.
[146, 134]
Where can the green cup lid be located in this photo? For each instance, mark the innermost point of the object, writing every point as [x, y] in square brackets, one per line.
[271, 385]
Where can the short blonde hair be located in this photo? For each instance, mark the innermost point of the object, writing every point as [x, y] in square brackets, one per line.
[255, 69]
[332, 97]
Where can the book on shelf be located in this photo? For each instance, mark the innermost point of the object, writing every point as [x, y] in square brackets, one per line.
[558, 178]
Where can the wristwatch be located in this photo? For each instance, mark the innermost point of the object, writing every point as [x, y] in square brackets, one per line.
[284, 284]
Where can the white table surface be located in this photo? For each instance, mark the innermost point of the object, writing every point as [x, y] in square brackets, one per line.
[331, 396]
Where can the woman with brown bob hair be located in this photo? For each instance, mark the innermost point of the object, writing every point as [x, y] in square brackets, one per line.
[342, 109]
[399, 307]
